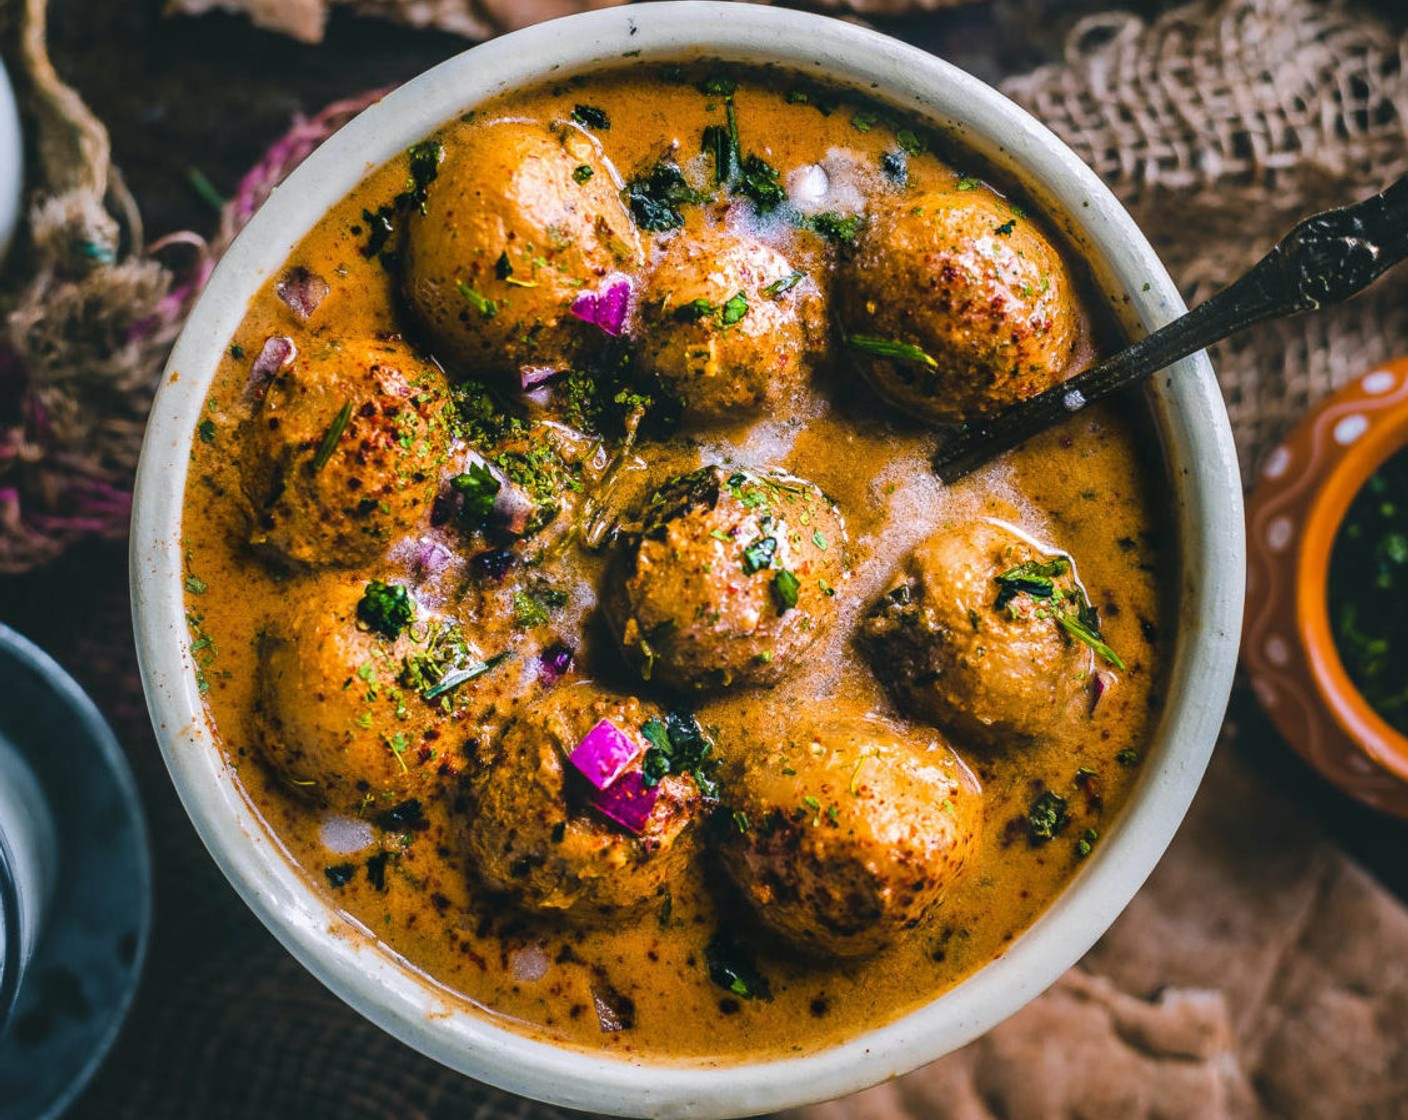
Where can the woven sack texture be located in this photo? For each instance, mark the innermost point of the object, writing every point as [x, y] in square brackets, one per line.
[1221, 124]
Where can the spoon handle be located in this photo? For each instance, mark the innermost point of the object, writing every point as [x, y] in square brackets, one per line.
[1325, 259]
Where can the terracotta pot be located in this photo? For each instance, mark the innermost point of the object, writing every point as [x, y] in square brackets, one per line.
[1294, 516]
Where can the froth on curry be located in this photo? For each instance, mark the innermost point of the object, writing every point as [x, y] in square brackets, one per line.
[570, 588]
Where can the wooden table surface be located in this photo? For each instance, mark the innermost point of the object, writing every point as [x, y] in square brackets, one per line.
[210, 94]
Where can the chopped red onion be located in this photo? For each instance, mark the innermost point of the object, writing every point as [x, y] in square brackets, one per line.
[430, 558]
[278, 352]
[607, 307]
[530, 377]
[628, 801]
[1099, 685]
[528, 964]
[603, 754]
[614, 1012]
[302, 291]
[554, 663]
[513, 509]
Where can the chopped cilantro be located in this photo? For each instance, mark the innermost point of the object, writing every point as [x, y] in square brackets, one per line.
[479, 488]
[1006, 228]
[385, 609]
[425, 160]
[1033, 578]
[655, 198]
[237, 351]
[759, 555]
[503, 267]
[678, 745]
[331, 436]
[836, 229]
[695, 310]
[1086, 844]
[819, 540]
[206, 430]
[527, 611]
[589, 116]
[784, 590]
[895, 167]
[380, 229]
[733, 310]
[909, 143]
[1080, 629]
[891, 348]
[488, 308]
[864, 121]
[1127, 757]
[196, 586]
[967, 183]
[340, 874]
[758, 181]
[1047, 817]
[457, 677]
[581, 173]
[783, 284]
[731, 966]
[721, 143]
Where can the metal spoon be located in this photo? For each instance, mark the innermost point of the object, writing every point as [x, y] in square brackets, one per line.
[1324, 260]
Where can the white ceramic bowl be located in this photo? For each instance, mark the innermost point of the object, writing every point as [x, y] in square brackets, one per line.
[1203, 493]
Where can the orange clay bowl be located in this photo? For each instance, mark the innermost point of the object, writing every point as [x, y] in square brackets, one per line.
[1305, 489]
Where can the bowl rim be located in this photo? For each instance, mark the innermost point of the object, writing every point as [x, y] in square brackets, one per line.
[1187, 411]
[1385, 435]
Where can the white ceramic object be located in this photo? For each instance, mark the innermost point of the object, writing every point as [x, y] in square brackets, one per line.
[1203, 497]
[11, 162]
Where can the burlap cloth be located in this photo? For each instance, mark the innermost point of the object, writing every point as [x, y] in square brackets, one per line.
[1259, 973]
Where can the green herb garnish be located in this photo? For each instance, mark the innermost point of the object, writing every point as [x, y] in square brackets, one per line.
[425, 160]
[589, 116]
[836, 229]
[784, 590]
[783, 284]
[655, 198]
[891, 348]
[331, 436]
[1033, 577]
[581, 173]
[385, 609]
[733, 310]
[759, 555]
[1080, 629]
[731, 966]
[458, 677]
[206, 430]
[1047, 817]
[480, 488]
[758, 181]
[678, 745]
[486, 307]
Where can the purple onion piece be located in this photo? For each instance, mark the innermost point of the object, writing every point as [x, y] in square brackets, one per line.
[430, 558]
[1098, 687]
[302, 291]
[493, 564]
[554, 663]
[607, 307]
[277, 352]
[513, 510]
[531, 377]
[614, 1012]
[603, 754]
[627, 801]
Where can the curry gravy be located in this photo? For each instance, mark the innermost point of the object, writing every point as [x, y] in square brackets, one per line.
[402, 879]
